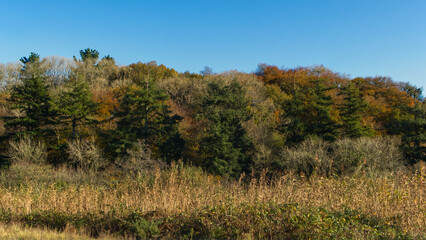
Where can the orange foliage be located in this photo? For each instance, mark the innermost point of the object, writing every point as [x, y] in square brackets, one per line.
[385, 98]
[107, 100]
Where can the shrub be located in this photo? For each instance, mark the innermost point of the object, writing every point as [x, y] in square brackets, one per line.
[26, 150]
[344, 156]
[139, 159]
[86, 155]
[282, 221]
[367, 154]
[143, 228]
[309, 156]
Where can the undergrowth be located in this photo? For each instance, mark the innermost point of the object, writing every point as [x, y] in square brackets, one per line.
[262, 220]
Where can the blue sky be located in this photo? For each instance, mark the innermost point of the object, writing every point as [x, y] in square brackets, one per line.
[358, 37]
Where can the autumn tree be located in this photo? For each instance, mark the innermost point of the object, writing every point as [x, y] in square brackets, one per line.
[140, 73]
[97, 73]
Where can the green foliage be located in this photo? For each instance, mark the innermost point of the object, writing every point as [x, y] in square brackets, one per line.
[414, 134]
[410, 124]
[282, 221]
[352, 111]
[141, 73]
[226, 129]
[308, 112]
[322, 124]
[413, 91]
[144, 114]
[144, 229]
[75, 105]
[89, 55]
[32, 99]
[295, 116]
[261, 220]
[226, 146]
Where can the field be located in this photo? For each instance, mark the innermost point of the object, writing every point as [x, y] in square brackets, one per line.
[184, 201]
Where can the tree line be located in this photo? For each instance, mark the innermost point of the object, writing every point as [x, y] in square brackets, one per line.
[227, 123]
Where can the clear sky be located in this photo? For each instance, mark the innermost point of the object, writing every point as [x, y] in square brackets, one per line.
[358, 37]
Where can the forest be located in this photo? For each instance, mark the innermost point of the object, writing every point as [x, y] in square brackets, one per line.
[144, 151]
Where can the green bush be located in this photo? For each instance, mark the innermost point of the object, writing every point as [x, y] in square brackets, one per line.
[261, 220]
[282, 221]
[143, 228]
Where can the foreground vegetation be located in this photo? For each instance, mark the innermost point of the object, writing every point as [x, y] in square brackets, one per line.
[17, 231]
[185, 201]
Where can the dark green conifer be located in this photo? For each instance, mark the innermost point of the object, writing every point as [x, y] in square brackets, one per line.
[352, 110]
[144, 115]
[321, 123]
[75, 105]
[226, 145]
[295, 118]
[31, 98]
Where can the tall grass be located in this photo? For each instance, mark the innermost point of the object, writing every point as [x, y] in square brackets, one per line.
[180, 189]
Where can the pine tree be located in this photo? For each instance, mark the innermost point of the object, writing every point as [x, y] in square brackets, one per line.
[226, 145]
[414, 134]
[308, 113]
[351, 111]
[75, 105]
[322, 124]
[295, 118]
[88, 55]
[32, 99]
[144, 115]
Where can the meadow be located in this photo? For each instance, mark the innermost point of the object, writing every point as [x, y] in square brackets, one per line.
[185, 202]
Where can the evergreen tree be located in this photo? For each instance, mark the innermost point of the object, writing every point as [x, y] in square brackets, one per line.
[414, 137]
[31, 98]
[322, 124]
[144, 114]
[308, 113]
[412, 130]
[75, 105]
[226, 145]
[351, 111]
[295, 118]
[89, 55]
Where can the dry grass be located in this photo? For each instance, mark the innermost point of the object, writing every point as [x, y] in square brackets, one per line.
[183, 189]
[16, 231]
